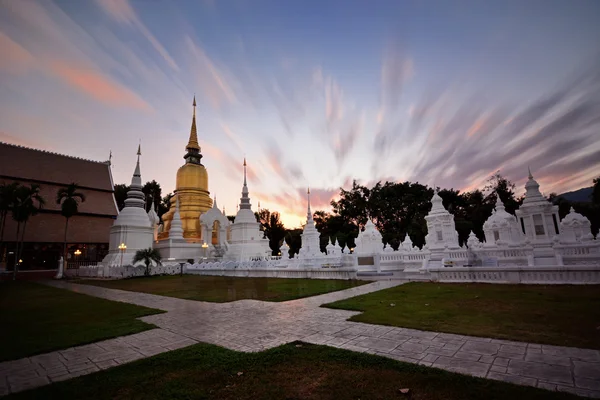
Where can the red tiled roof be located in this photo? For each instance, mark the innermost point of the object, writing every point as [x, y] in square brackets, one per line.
[25, 163]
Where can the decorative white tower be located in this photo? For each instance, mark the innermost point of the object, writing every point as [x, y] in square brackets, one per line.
[441, 232]
[538, 217]
[502, 228]
[311, 244]
[247, 240]
[575, 228]
[215, 222]
[132, 230]
[369, 241]
[154, 219]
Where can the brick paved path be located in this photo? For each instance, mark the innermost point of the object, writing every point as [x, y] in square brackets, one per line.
[251, 325]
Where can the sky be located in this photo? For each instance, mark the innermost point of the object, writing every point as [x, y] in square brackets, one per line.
[312, 93]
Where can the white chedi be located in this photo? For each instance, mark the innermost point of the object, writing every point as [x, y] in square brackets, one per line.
[154, 219]
[575, 228]
[441, 232]
[311, 238]
[132, 230]
[502, 228]
[247, 241]
[407, 245]
[369, 241]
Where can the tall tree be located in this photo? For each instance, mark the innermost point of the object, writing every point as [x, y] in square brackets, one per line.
[273, 227]
[68, 198]
[152, 193]
[596, 191]
[27, 203]
[121, 195]
[164, 205]
[499, 185]
[7, 199]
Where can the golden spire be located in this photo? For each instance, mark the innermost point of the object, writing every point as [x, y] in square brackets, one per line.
[193, 142]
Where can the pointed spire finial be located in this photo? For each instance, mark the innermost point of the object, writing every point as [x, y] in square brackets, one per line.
[245, 171]
[529, 170]
[139, 152]
[193, 141]
[110, 157]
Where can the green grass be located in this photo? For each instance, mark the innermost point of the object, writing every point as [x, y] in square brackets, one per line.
[558, 315]
[206, 371]
[221, 289]
[36, 319]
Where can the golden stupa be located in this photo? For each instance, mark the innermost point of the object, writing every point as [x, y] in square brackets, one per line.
[191, 189]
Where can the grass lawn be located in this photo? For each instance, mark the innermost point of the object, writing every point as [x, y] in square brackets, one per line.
[221, 289]
[558, 315]
[205, 371]
[37, 319]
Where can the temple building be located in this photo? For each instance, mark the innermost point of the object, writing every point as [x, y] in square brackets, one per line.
[88, 233]
[192, 191]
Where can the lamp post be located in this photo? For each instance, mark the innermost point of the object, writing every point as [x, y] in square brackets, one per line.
[205, 246]
[122, 248]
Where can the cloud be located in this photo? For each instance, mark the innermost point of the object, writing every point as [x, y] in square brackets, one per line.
[122, 12]
[98, 86]
[15, 58]
[396, 69]
[216, 87]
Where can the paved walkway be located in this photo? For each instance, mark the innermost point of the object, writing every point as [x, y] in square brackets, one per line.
[250, 325]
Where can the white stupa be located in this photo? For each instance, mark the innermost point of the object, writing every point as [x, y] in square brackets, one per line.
[537, 217]
[214, 221]
[132, 230]
[575, 228]
[247, 241]
[154, 219]
[441, 232]
[502, 228]
[311, 243]
[369, 241]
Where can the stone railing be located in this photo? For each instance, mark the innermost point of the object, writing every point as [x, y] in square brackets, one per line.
[125, 271]
[580, 274]
[585, 253]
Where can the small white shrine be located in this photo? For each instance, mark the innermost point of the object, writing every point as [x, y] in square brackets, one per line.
[215, 227]
[538, 217]
[502, 228]
[311, 243]
[369, 241]
[441, 233]
[575, 228]
[247, 240]
[132, 230]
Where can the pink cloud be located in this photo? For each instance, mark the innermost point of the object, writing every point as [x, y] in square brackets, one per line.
[98, 86]
[15, 59]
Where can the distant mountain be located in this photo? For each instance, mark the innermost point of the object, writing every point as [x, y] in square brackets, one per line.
[581, 195]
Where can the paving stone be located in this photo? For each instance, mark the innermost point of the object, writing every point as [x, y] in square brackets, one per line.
[378, 344]
[497, 368]
[430, 358]
[579, 354]
[396, 335]
[519, 380]
[503, 362]
[578, 391]
[473, 368]
[480, 348]
[28, 384]
[512, 349]
[546, 385]
[547, 359]
[587, 370]
[467, 356]
[487, 359]
[586, 383]
[552, 373]
[407, 354]
[413, 347]
[440, 351]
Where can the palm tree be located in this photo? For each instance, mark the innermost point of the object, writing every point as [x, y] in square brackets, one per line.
[7, 198]
[147, 256]
[69, 198]
[24, 207]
